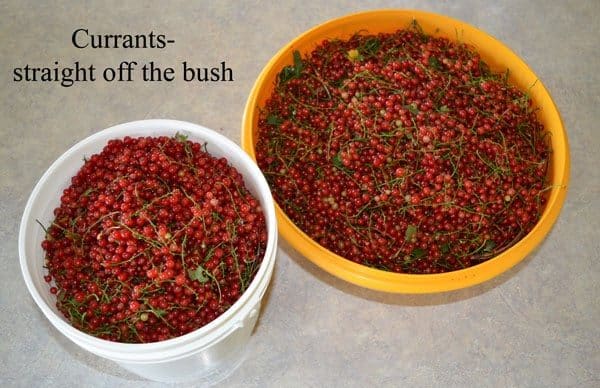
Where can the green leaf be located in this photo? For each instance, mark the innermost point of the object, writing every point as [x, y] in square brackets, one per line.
[435, 63]
[298, 64]
[489, 246]
[445, 248]
[159, 313]
[274, 120]
[410, 233]
[354, 55]
[417, 253]
[180, 137]
[412, 108]
[337, 161]
[443, 109]
[289, 72]
[198, 274]
[286, 74]
[370, 47]
[417, 27]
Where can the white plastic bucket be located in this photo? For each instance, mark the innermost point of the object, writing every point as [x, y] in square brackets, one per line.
[206, 355]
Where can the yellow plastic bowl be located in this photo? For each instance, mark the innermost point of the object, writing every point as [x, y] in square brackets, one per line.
[499, 58]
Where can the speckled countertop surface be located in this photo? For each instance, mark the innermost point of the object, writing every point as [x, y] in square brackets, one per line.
[534, 326]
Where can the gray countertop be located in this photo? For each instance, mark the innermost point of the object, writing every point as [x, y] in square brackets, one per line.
[534, 326]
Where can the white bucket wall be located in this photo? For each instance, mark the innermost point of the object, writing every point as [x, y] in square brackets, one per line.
[205, 355]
